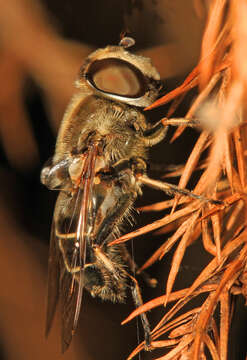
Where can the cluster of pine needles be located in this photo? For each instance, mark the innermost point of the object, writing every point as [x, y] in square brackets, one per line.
[220, 154]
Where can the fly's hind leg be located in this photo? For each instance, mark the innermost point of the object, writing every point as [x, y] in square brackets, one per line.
[128, 259]
[136, 294]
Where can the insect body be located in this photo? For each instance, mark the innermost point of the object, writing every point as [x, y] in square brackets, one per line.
[99, 167]
[101, 149]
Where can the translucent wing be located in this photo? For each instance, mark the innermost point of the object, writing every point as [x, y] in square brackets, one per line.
[53, 281]
[72, 249]
[68, 250]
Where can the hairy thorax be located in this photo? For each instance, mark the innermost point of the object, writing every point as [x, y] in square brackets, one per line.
[113, 124]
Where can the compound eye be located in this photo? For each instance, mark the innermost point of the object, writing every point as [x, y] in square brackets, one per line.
[115, 76]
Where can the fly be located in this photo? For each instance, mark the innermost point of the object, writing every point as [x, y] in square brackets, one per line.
[99, 167]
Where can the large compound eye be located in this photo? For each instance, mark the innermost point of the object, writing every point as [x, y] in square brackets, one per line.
[115, 76]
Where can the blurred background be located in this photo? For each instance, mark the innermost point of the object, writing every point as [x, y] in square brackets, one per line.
[42, 46]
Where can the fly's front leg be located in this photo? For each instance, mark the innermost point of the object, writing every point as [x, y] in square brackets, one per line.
[155, 134]
[158, 131]
[194, 123]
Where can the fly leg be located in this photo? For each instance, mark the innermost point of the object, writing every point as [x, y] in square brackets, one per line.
[72, 269]
[139, 166]
[136, 164]
[171, 189]
[136, 294]
[154, 135]
[152, 282]
[158, 131]
[114, 216]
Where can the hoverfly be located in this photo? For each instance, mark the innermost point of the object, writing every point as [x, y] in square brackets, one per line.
[99, 167]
